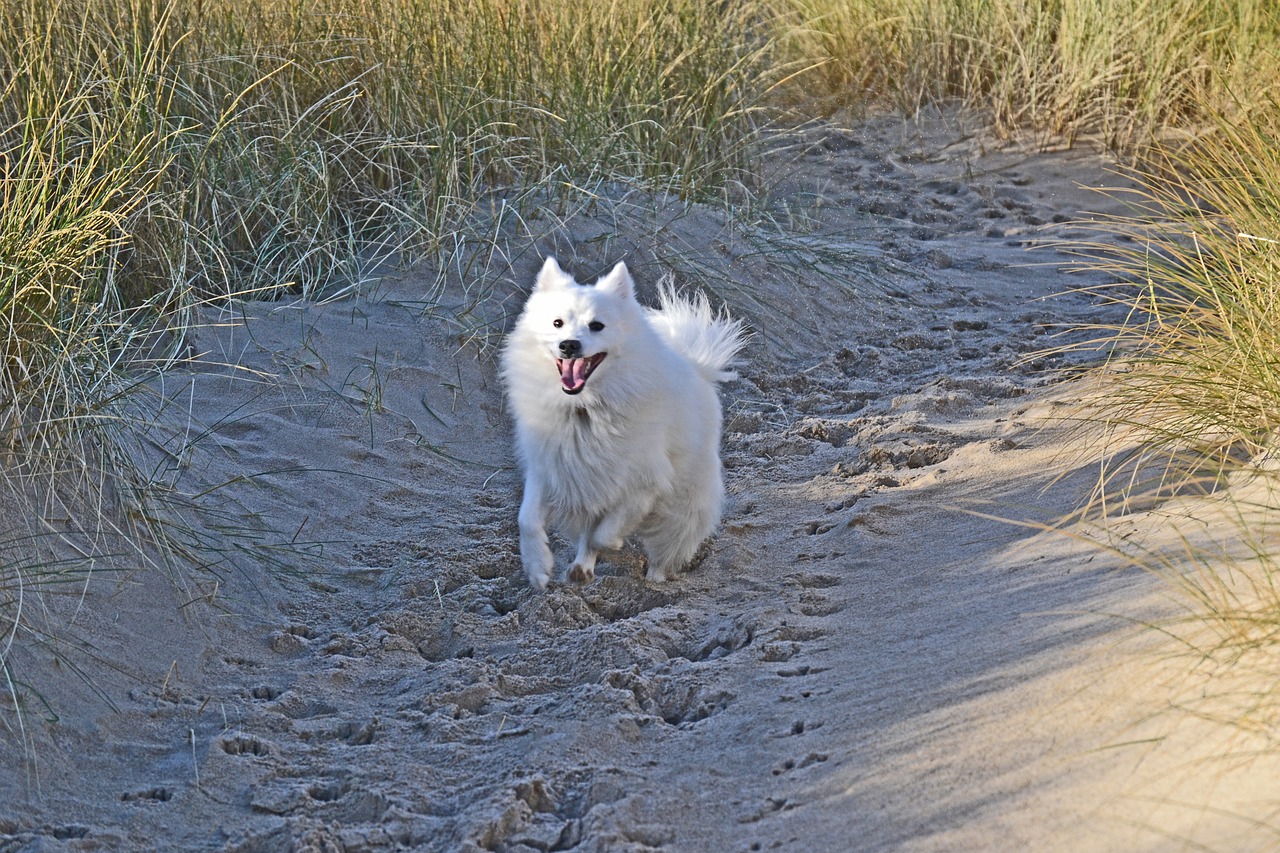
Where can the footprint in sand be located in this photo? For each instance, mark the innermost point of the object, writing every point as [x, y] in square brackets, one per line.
[358, 734]
[877, 519]
[770, 806]
[778, 652]
[245, 745]
[148, 795]
[814, 580]
[675, 700]
[617, 598]
[802, 670]
[801, 763]
[814, 603]
[799, 727]
[292, 640]
[718, 641]
[548, 812]
[816, 528]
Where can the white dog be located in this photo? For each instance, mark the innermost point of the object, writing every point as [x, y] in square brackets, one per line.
[617, 420]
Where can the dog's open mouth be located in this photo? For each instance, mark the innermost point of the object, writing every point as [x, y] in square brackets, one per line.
[574, 371]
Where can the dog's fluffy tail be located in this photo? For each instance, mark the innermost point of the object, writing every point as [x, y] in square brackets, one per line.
[710, 340]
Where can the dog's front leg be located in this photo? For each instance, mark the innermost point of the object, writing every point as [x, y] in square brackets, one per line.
[535, 554]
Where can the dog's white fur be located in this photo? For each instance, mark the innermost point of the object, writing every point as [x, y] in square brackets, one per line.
[636, 449]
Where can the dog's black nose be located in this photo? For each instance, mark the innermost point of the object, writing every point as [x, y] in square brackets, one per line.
[571, 348]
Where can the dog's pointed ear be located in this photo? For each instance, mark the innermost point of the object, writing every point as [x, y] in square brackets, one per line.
[618, 281]
[551, 276]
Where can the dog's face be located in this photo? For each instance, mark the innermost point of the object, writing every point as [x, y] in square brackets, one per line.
[578, 325]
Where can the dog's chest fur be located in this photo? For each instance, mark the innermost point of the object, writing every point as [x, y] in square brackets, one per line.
[589, 455]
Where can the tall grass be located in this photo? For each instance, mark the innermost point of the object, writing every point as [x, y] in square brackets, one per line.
[80, 160]
[1193, 379]
[310, 131]
[1120, 69]
[1200, 272]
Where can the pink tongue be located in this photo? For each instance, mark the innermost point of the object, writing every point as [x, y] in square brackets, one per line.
[573, 372]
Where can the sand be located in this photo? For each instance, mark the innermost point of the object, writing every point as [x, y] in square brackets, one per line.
[881, 649]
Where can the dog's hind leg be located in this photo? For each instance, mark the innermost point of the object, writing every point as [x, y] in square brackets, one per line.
[609, 533]
[612, 530]
[672, 547]
[672, 538]
[583, 569]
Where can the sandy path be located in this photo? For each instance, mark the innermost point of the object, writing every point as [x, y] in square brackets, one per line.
[858, 664]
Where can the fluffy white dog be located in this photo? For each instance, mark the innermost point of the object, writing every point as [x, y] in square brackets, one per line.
[617, 420]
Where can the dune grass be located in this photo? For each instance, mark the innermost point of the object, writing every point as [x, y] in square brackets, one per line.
[1192, 382]
[1119, 70]
[1200, 273]
[303, 136]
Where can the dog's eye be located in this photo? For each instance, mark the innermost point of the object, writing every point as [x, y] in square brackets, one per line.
[595, 326]
[557, 323]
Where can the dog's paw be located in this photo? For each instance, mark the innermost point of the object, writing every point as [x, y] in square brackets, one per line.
[538, 572]
[536, 558]
[579, 573]
[656, 576]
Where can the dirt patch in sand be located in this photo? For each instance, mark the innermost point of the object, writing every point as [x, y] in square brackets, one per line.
[857, 662]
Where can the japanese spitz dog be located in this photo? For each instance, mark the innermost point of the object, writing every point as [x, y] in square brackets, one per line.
[617, 420]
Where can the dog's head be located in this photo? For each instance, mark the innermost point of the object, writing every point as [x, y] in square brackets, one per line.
[579, 325]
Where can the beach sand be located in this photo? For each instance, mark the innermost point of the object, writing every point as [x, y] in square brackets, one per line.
[883, 647]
